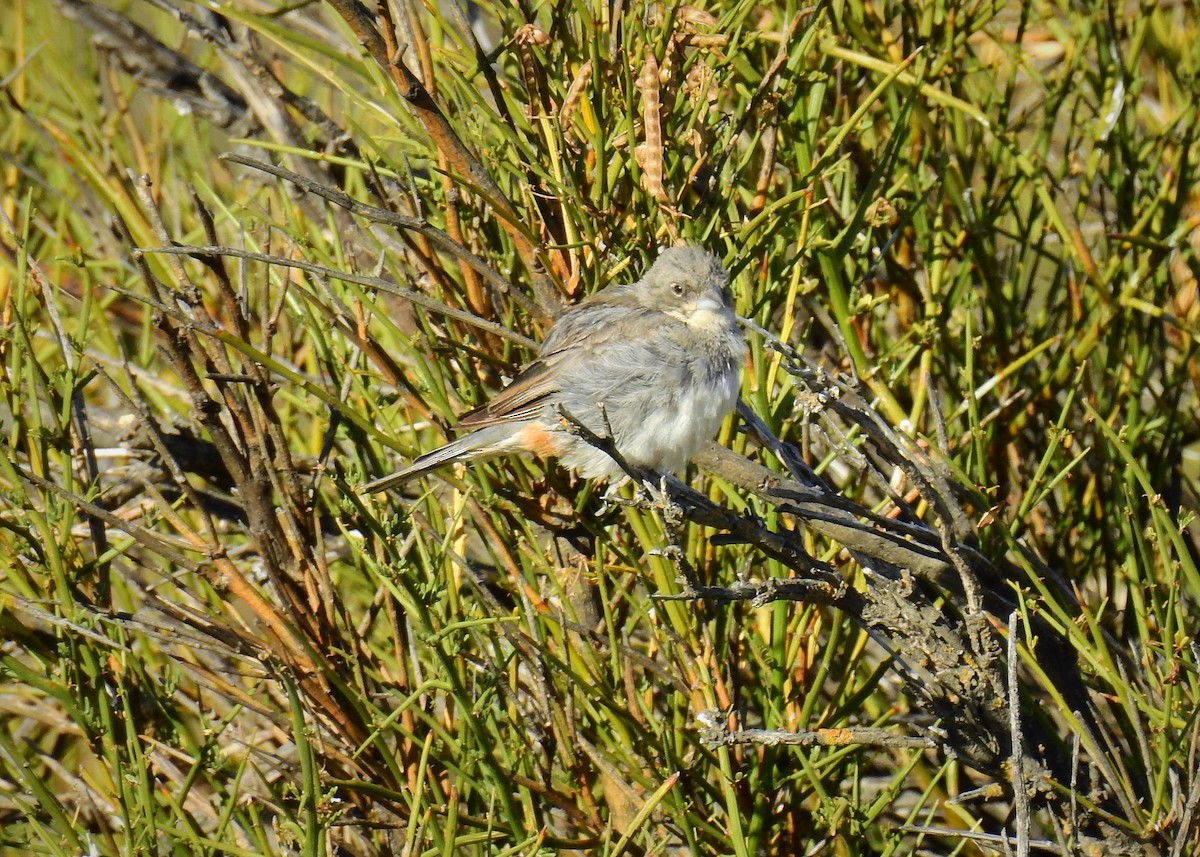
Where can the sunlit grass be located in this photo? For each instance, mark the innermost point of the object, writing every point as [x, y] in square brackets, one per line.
[983, 212]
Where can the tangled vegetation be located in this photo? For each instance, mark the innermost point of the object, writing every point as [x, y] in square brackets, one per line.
[933, 591]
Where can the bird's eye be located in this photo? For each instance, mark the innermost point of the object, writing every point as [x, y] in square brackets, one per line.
[677, 288]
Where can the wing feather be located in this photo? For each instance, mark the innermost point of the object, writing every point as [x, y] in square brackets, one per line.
[520, 400]
[582, 334]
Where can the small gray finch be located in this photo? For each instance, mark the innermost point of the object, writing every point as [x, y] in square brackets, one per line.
[661, 355]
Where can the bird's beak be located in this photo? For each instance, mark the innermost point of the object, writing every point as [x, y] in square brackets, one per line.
[707, 304]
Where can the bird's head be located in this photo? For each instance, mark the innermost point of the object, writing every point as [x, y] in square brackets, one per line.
[688, 283]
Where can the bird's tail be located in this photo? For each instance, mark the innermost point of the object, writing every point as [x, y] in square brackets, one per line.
[478, 444]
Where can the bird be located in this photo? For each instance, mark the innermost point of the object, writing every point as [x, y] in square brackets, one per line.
[652, 367]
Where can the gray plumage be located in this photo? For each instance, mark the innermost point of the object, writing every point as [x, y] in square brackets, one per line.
[662, 355]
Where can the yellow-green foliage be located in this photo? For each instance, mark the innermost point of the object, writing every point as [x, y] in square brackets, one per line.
[983, 211]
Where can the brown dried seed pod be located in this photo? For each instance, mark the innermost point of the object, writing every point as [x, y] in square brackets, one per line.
[649, 155]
